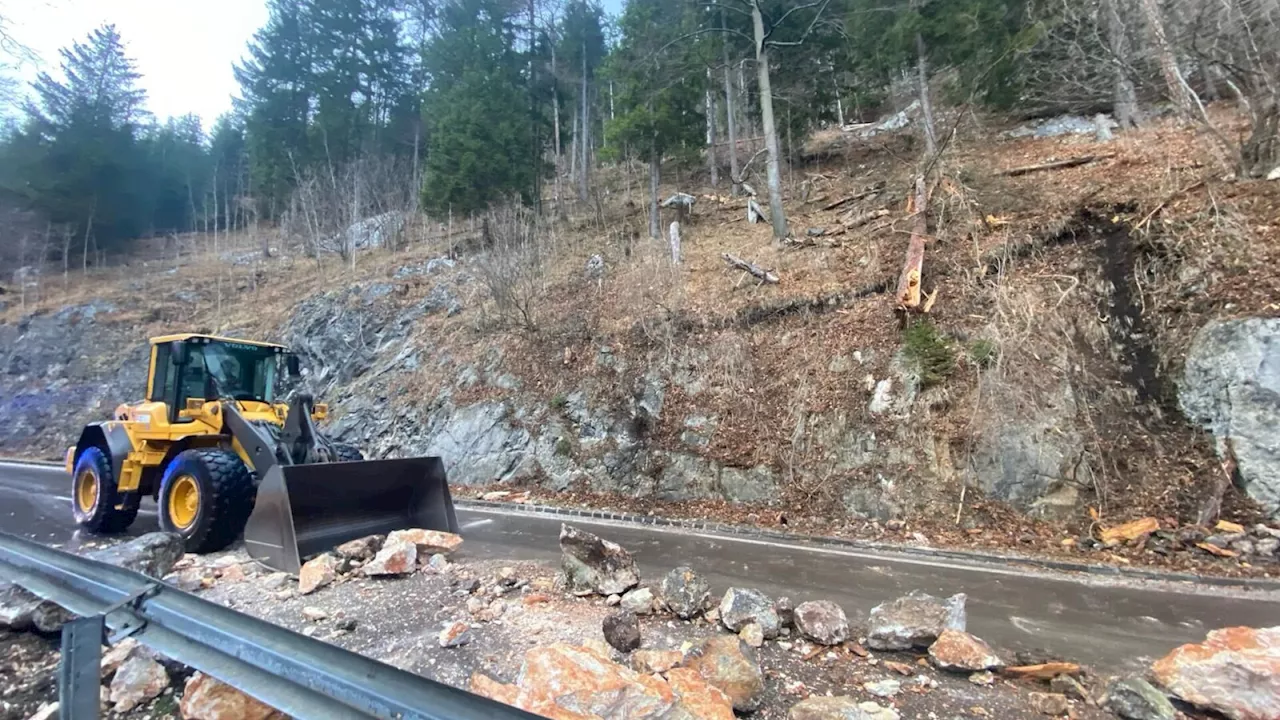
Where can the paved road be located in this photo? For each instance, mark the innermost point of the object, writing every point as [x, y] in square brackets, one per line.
[1111, 625]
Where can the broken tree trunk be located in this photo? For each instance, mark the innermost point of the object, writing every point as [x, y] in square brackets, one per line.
[754, 213]
[852, 221]
[865, 192]
[675, 242]
[909, 281]
[760, 273]
[1055, 165]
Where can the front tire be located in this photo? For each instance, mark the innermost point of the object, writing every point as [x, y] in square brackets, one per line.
[96, 502]
[206, 496]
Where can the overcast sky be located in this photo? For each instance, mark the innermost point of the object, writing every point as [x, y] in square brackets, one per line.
[184, 49]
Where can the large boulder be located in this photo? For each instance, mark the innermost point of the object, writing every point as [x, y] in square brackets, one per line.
[698, 699]
[1235, 671]
[557, 680]
[428, 542]
[622, 630]
[137, 680]
[594, 565]
[397, 557]
[741, 606]
[1231, 386]
[16, 607]
[152, 554]
[840, 707]
[823, 622]
[914, 621]
[207, 698]
[685, 593]
[726, 662]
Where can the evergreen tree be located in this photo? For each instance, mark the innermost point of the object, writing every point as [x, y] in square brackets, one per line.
[476, 111]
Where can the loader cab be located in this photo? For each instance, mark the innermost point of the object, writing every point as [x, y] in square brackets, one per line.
[201, 367]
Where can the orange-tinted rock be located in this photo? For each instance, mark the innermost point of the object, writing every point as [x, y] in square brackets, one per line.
[138, 679]
[1235, 671]
[428, 542]
[485, 686]
[207, 698]
[726, 662]
[565, 682]
[960, 651]
[316, 573]
[395, 558]
[655, 661]
[697, 698]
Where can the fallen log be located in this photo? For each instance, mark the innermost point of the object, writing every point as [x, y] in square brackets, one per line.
[760, 273]
[852, 221]
[1054, 165]
[1043, 671]
[865, 192]
[909, 282]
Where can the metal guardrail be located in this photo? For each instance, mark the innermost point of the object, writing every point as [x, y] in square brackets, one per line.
[300, 676]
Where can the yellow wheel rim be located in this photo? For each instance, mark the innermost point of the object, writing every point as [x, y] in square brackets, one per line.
[86, 491]
[184, 501]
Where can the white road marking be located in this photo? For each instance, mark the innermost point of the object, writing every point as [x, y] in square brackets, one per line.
[476, 523]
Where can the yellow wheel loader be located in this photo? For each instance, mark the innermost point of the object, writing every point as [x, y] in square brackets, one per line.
[221, 456]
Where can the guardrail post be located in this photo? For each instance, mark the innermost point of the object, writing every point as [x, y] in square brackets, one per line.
[80, 672]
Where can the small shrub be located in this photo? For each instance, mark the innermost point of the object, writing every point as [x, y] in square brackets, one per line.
[983, 352]
[560, 401]
[564, 448]
[929, 351]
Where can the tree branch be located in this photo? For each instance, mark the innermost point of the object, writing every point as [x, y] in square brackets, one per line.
[805, 35]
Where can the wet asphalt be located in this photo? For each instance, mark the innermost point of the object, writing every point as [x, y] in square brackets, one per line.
[1112, 625]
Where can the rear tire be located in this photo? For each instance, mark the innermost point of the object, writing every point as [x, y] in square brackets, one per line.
[347, 453]
[96, 502]
[206, 496]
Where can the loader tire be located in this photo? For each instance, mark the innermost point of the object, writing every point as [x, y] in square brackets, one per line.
[96, 502]
[347, 453]
[206, 496]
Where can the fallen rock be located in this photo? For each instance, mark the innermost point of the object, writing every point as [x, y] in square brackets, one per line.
[786, 611]
[16, 607]
[727, 663]
[485, 686]
[138, 679]
[152, 554]
[1069, 686]
[655, 661]
[115, 656]
[915, 620]
[1128, 531]
[207, 698]
[697, 698]
[744, 605]
[1134, 698]
[613, 600]
[47, 711]
[685, 593]
[564, 681]
[1048, 703]
[822, 622]
[622, 631]
[983, 679]
[959, 651]
[839, 708]
[455, 634]
[437, 563]
[428, 542]
[1235, 671]
[316, 573]
[395, 558]
[314, 614]
[594, 565]
[752, 635]
[886, 688]
[638, 601]
[361, 548]
[49, 617]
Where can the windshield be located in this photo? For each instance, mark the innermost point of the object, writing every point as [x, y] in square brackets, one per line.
[242, 371]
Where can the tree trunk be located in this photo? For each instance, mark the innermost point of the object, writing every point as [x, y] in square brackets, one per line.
[573, 150]
[908, 296]
[585, 145]
[926, 107]
[839, 105]
[555, 118]
[1178, 91]
[1125, 101]
[729, 110]
[655, 172]
[776, 214]
[711, 134]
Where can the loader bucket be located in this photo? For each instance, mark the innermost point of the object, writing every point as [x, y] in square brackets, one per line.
[302, 510]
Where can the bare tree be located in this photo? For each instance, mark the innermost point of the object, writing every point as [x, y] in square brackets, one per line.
[512, 264]
[730, 112]
[1125, 101]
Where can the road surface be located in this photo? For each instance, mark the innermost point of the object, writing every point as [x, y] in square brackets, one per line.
[1111, 625]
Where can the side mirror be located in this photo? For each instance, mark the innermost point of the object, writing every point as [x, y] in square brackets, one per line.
[178, 352]
[291, 362]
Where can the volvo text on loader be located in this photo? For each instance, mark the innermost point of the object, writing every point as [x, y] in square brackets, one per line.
[222, 455]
